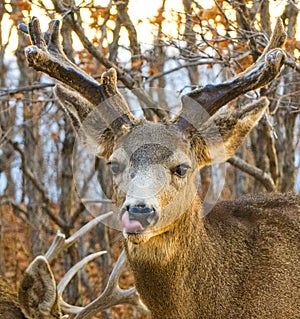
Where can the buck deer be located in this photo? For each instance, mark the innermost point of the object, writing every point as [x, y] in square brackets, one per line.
[242, 259]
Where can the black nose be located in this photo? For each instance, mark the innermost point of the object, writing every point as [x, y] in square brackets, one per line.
[144, 214]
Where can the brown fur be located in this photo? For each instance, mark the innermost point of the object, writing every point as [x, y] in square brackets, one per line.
[240, 261]
[9, 305]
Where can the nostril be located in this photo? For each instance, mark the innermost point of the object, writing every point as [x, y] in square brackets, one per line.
[145, 215]
[134, 210]
[147, 210]
[140, 209]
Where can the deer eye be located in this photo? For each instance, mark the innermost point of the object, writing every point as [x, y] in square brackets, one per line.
[180, 170]
[115, 167]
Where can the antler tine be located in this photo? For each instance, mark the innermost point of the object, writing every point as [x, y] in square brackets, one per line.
[67, 278]
[60, 242]
[278, 36]
[48, 57]
[213, 97]
[111, 296]
[52, 36]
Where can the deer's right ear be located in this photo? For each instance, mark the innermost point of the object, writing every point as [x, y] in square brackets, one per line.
[37, 293]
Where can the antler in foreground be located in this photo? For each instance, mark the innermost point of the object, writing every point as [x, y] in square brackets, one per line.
[39, 298]
[111, 296]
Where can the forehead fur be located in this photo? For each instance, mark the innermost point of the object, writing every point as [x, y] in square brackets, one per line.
[149, 133]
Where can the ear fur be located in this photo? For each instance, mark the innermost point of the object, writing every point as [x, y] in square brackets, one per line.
[86, 120]
[37, 294]
[219, 138]
[75, 105]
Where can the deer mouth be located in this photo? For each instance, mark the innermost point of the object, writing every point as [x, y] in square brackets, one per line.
[137, 219]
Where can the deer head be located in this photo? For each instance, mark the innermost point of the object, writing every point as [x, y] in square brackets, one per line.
[154, 164]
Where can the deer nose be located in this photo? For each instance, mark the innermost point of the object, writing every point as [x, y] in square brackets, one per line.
[137, 217]
[139, 209]
[144, 214]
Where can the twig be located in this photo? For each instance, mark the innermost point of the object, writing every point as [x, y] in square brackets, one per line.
[203, 61]
[29, 88]
[27, 172]
[76, 214]
[122, 8]
[255, 172]
[292, 64]
[182, 66]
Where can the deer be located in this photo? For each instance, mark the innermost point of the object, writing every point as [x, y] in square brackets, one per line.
[239, 260]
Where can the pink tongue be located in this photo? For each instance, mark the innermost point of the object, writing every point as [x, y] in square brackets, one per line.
[131, 226]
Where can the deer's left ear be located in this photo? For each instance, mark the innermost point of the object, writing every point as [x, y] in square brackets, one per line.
[37, 292]
[219, 138]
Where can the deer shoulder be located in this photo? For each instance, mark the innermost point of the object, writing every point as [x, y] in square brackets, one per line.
[9, 305]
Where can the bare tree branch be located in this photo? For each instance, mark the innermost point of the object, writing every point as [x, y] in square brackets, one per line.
[257, 173]
[29, 88]
[292, 63]
[46, 201]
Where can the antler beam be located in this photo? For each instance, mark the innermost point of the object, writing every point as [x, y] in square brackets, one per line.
[112, 294]
[60, 242]
[212, 97]
[46, 55]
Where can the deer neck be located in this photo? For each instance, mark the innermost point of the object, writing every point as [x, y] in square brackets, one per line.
[164, 266]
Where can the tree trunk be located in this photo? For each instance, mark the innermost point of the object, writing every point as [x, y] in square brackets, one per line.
[32, 150]
[67, 199]
[286, 118]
